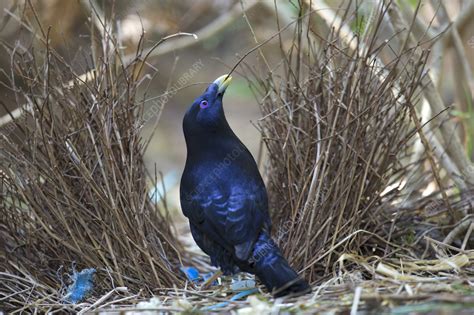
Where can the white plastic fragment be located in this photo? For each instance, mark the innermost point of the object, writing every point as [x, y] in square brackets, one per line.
[240, 285]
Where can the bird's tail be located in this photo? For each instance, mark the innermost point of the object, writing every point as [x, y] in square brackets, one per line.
[274, 271]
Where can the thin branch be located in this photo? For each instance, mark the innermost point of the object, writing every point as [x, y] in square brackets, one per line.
[165, 47]
[448, 130]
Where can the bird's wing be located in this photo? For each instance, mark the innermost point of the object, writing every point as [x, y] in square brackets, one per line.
[232, 219]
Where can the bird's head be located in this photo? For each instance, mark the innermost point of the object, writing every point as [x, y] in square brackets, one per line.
[206, 113]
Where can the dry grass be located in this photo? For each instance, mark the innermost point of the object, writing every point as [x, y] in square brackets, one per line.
[74, 184]
[349, 159]
[336, 126]
[397, 286]
[340, 120]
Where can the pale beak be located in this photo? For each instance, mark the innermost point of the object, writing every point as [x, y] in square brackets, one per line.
[223, 82]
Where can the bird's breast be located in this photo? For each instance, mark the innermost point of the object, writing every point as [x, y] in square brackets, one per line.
[221, 166]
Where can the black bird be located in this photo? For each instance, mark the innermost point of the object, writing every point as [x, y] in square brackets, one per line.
[224, 197]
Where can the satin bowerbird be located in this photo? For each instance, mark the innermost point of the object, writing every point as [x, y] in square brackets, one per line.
[224, 197]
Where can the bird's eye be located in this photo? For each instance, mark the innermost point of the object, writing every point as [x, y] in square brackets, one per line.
[204, 104]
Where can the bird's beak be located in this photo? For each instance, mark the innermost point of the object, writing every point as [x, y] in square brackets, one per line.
[223, 82]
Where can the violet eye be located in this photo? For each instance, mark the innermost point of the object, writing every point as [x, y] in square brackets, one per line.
[204, 104]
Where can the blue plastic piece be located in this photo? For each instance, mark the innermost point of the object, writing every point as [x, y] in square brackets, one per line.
[234, 298]
[82, 285]
[191, 273]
